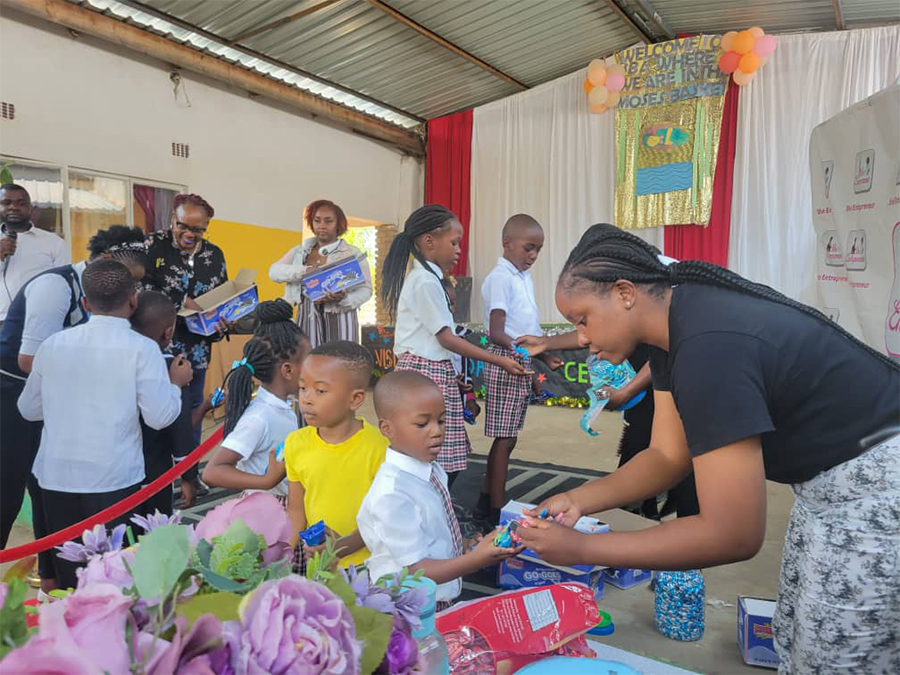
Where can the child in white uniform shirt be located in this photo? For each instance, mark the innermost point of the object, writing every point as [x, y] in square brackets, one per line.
[406, 519]
[255, 428]
[424, 338]
[510, 311]
[91, 385]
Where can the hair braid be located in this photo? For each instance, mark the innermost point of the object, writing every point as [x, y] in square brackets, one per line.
[606, 254]
[420, 222]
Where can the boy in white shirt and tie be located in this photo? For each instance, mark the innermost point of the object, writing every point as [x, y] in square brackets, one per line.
[510, 311]
[91, 385]
[407, 519]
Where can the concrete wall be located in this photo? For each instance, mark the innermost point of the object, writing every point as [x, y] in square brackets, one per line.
[84, 103]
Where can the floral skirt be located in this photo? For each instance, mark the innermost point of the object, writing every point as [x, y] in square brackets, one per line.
[839, 594]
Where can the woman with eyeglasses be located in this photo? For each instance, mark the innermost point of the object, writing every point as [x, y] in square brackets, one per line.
[334, 317]
[184, 265]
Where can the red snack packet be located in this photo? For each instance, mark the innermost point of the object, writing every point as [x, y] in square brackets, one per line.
[507, 631]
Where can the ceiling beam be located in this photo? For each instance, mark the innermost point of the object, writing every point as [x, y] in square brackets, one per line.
[278, 23]
[654, 18]
[641, 32]
[181, 23]
[446, 44]
[838, 14]
[88, 22]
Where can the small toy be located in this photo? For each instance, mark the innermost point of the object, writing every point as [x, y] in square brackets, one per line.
[509, 535]
[315, 535]
[279, 452]
[469, 416]
[217, 398]
[521, 351]
[604, 374]
[605, 627]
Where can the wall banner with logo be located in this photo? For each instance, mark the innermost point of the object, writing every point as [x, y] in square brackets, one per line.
[667, 132]
[855, 167]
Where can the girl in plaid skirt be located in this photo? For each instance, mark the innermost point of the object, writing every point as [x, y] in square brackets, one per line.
[424, 337]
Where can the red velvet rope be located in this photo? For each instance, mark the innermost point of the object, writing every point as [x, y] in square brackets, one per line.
[116, 510]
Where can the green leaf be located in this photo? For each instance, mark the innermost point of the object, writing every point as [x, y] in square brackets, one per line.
[159, 561]
[339, 586]
[13, 627]
[6, 176]
[222, 583]
[222, 605]
[374, 629]
[20, 569]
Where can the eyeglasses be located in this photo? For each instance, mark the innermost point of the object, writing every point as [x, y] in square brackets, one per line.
[199, 231]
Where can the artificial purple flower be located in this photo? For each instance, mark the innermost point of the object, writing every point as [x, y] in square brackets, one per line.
[47, 656]
[374, 597]
[198, 651]
[409, 605]
[260, 511]
[109, 568]
[294, 626]
[156, 519]
[95, 542]
[402, 652]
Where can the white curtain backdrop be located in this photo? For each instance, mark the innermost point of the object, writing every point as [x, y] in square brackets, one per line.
[540, 152]
[809, 79]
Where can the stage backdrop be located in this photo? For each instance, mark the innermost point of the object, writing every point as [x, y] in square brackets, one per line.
[667, 132]
[568, 385]
[855, 167]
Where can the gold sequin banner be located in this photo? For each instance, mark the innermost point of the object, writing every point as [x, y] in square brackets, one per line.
[667, 132]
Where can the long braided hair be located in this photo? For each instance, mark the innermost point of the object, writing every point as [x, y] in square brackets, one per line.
[122, 243]
[275, 340]
[606, 254]
[423, 220]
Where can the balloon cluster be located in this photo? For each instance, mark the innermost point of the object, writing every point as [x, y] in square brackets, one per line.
[603, 85]
[746, 52]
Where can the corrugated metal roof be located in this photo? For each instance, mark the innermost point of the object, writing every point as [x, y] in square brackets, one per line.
[361, 48]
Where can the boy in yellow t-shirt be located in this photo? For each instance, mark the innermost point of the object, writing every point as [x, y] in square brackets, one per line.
[332, 462]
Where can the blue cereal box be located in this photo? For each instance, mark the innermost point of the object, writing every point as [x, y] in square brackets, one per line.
[627, 577]
[335, 277]
[527, 573]
[754, 620]
[232, 300]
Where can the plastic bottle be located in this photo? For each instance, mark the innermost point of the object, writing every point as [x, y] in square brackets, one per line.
[680, 604]
[433, 656]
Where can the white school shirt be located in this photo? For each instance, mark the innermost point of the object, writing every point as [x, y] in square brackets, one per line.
[48, 300]
[36, 251]
[511, 290]
[422, 312]
[91, 385]
[265, 424]
[402, 519]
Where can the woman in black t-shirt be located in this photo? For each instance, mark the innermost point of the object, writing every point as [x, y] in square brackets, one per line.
[748, 385]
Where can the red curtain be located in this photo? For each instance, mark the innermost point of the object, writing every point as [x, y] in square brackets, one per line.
[143, 197]
[448, 168]
[710, 243]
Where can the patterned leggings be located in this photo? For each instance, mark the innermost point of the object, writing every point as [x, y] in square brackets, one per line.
[839, 594]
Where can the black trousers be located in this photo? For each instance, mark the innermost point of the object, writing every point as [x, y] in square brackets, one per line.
[62, 509]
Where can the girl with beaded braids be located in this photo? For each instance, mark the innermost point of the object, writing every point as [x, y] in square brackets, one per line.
[256, 426]
[748, 385]
[424, 336]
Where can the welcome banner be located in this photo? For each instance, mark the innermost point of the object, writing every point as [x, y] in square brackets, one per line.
[668, 123]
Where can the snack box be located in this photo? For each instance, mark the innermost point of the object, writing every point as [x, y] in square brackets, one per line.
[523, 573]
[627, 577]
[338, 276]
[232, 300]
[754, 620]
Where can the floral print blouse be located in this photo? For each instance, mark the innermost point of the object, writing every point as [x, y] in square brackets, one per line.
[174, 273]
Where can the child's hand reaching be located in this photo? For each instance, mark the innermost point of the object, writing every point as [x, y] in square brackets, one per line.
[488, 554]
[552, 361]
[513, 367]
[180, 371]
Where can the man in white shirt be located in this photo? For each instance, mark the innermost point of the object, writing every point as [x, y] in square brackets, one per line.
[91, 385]
[407, 519]
[25, 250]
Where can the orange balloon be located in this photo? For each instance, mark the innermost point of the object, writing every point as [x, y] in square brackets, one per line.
[756, 32]
[597, 75]
[749, 63]
[613, 99]
[741, 78]
[744, 42]
[728, 41]
[587, 86]
[598, 95]
[598, 109]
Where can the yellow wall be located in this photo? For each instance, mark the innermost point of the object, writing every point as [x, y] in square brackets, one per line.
[253, 247]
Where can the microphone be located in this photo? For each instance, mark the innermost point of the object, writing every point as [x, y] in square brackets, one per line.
[12, 234]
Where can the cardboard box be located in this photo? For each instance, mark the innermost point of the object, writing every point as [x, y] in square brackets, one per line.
[754, 620]
[626, 577]
[232, 300]
[527, 570]
[338, 276]
[528, 573]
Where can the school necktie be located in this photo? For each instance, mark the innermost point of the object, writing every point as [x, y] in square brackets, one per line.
[448, 512]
